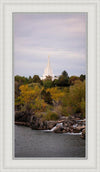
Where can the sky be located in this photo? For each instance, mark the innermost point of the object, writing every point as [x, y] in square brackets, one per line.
[62, 36]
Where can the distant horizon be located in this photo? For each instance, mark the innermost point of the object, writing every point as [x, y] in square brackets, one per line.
[54, 75]
[62, 36]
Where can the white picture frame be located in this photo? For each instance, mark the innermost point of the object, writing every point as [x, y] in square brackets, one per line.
[7, 162]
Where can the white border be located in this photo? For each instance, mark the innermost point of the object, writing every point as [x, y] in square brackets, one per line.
[7, 163]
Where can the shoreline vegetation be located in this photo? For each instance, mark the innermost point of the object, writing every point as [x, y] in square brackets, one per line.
[57, 105]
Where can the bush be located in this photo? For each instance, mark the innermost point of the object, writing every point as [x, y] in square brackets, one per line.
[46, 96]
[51, 116]
[76, 99]
[47, 84]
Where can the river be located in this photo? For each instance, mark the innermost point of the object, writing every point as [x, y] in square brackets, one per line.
[39, 143]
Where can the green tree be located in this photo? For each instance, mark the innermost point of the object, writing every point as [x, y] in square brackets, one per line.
[82, 77]
[64, 73]
[55, 82]
[47, 82]
[21, 79]
[63, 80]
[36, 79]
[46, 96]
[30, 79]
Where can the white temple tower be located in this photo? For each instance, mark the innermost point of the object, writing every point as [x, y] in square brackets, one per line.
[48, 71]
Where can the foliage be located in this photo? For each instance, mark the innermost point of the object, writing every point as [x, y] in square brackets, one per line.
[37, 79]
[51, 116]
[50, 99]
[75, 99]
[47, 84]
[17, 91]
[30, 79]
[72, 79]
[63, 79]
[64, 73]
[56, 94]
[46, 96]
[82, 77]
[30, 98]
[21, 79]
[55, 82]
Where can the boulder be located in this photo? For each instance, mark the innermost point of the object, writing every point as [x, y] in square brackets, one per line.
[22, 116]
[59, 128]
[51, 124]
[83, 134]
[75, 130]
[78, 129]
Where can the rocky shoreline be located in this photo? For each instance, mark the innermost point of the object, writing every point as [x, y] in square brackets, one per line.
[69, 124]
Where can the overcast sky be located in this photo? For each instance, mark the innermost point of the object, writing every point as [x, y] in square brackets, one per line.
[62, 36]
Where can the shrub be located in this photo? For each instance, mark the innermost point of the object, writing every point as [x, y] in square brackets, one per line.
[47, 84]
[51, 116]
[76, 98]
[46, 96]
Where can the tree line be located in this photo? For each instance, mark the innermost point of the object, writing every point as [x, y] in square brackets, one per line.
[63, 80]
[62, 96]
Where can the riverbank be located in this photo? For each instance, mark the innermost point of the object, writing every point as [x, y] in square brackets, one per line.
[71, 124]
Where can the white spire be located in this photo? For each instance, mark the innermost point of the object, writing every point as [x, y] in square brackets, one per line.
[48, 70]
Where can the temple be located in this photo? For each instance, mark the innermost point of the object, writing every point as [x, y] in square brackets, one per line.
[48, 71]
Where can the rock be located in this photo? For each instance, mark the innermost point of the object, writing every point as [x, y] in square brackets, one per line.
[65, 124]
[75, 130]
[83, 134]
[51, 124]
[77, 119]
[37, 123]
[64, 131]
[59, 128]
[22, 116]
[60, 121]
[23, 123]
[71, 130]
[44, 125]
[67, 129]
[80, 128]
[64, 118]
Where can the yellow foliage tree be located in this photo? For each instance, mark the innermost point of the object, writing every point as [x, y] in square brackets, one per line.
[56, 93]
[30, 98]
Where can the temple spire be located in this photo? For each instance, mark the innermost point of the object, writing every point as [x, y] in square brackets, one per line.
[48, 70]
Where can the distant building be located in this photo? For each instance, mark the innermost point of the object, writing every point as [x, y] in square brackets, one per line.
[48, 71]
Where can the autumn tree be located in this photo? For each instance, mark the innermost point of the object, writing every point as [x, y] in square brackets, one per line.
[56, 94]
[72, 79]
[30, 98]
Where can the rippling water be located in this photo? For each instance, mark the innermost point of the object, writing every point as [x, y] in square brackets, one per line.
[36, 143]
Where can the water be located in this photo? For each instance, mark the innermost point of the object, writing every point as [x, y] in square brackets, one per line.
[36, 143]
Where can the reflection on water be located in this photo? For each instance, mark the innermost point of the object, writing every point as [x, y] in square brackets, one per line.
[36, 143]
